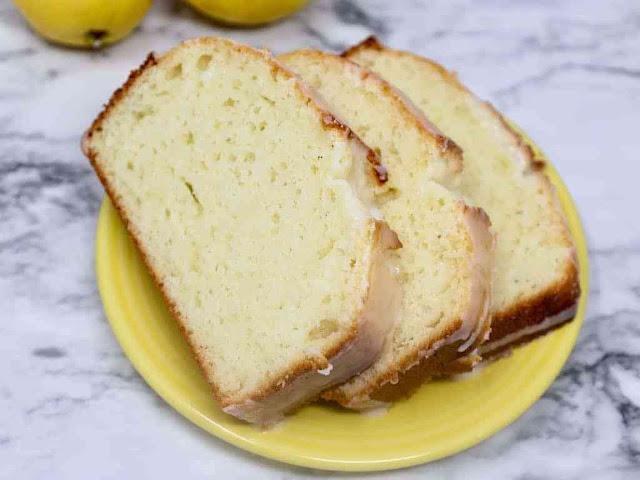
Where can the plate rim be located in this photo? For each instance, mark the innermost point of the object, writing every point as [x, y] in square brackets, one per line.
[181, 405]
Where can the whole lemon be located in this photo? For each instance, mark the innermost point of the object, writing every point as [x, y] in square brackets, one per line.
[247, 12]
[83, 23]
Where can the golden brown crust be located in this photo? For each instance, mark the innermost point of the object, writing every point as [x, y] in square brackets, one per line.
[558, 297]
[369, 43]
[412, 371]
[443, 362]
[400, 383]
[448, 148]
[115, 98]
[372, 43]
[297, 369]
[503, 350]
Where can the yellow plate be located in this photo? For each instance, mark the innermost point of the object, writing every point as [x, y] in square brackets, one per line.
[442, 418]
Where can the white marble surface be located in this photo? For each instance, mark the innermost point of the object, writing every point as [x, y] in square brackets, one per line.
[72, 406]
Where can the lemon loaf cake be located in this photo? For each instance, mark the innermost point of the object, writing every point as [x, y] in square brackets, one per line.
[446, 260]
[535, 285]
[252, 207]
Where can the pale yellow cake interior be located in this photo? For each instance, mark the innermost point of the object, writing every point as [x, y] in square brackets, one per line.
[533, 246]
[242, 198]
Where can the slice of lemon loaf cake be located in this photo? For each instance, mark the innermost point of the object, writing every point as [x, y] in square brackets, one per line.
[252, 207]
[535, 285]
[446, 260]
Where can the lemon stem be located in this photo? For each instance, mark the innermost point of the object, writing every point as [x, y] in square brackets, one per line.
[96, 37]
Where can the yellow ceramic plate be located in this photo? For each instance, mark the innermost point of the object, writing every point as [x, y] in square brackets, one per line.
[442, 418]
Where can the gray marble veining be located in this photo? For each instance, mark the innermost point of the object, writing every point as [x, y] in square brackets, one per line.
[71, 404]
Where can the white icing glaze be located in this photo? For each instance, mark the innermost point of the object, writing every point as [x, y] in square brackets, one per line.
[467, 375]
[544, 325]
[364, 403]
[326, 371]
[376, 412]
[472, 338]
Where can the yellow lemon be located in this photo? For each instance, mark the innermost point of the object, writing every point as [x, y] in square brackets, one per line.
[247, 12]
[83, 23]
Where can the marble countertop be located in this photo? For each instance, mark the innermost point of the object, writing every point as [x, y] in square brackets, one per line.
[71, 404]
